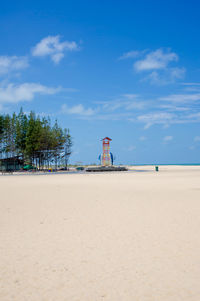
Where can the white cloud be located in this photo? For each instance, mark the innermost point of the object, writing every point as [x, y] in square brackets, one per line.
[130, 54]
[167, 139]
[166, 76]
[120, 105]
[194, 116]
[114, 116]
[156, 118]
[12, 93]
[197, 139]
[77, 110]
[156, 65]
[142, 138]
[190, 84]
[12, 63]
[154, 78]
[174, 107]
[51, 46]
[176, 73]
[131, 96]
[130, 148]
[164, 111]
[128, 102]
[182, 98]
[158, 59]
[168, 118]
[136, 105]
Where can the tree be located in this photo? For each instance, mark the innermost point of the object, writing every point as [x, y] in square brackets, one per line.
[1, 134]
[57, 143]
[34, 140]
[67, 147]
[21, 133]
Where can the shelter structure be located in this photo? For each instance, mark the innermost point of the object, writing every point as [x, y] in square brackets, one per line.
[11, 164]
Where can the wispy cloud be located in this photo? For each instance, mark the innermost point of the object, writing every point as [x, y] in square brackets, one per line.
[191, 147]
[176, 73]
[197, 139]
[12, 63]
[155, 118]
[194, 116]
[185, 105]
[182, 98]
[130, 96]
[156, 65]
[152, 60]
[130, 54]
[127, 102]
[167, 139]
[174, 107]
[164, 111]
[191, 87]
[158, 59]
[77, 110]
[53, 47]
[190, 84]
[130, 148]
[13, 93]
[166, 76]
[167, 118]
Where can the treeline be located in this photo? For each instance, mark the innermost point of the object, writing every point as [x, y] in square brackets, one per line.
[34, 140]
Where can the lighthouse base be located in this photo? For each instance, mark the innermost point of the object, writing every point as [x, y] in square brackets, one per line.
[106, 168]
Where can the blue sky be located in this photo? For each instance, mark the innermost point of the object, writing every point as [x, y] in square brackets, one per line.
[129, 70]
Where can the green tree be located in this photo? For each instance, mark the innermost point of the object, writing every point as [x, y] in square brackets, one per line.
[67, 147]
[58, 140]
[34, 130]
[34, 139]
[21, 133]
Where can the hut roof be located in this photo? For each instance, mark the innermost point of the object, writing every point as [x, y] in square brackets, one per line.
[12, 159]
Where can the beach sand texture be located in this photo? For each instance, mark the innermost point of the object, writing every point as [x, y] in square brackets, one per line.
[127, 236]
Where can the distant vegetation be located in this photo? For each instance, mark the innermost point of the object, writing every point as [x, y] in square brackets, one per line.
[34, 140]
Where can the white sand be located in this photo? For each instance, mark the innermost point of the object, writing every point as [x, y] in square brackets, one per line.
[109, 236]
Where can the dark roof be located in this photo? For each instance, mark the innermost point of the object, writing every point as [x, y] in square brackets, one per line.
[12, 159]
[106, 138]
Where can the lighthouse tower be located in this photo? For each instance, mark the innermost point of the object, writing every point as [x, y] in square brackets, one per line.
[106, 156]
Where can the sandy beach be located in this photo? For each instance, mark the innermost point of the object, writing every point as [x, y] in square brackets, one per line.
[120, 236]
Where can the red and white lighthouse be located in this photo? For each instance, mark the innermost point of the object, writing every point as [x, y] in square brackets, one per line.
[106, 157]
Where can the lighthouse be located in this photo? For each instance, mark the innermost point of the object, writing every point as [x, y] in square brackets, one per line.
[106, 157]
